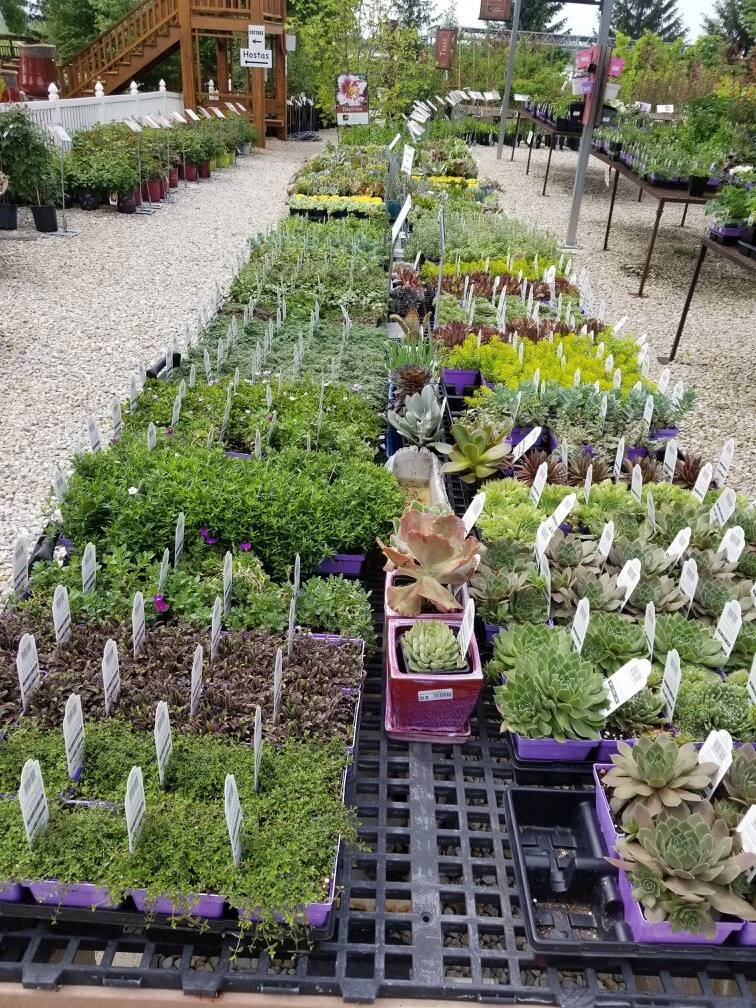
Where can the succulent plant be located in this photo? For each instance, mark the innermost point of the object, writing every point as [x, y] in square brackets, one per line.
[745, 645]
[550, 694]
[402, 301]
[409, 379]
[479, 451]
[510, 596]
[687, 470]
[570, 551]
[657, 773]
[452, 334]
[434, 551]
[682, 867]
[663, 591]
[649, 467]
[431, 645]
[578, 469]
[707, 704]
[654, 559]
[740, 785]
[423, 419]
[602, 593]
[610, 641]
[695, 644]
[713, 594]
[639, 714]
[527, 638]
[527, 468]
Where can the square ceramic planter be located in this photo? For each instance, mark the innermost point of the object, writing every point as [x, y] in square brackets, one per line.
[74, 894]
[461, 593]
[662, 934]
[458, 379]
[435, 705]
[208, 906]
[572, 751]
[343, 563]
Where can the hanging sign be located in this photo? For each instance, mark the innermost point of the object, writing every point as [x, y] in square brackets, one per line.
[135, 807]
[446, 44]
[111, 675]
[495, 10]
[352, 104]
[234, 820]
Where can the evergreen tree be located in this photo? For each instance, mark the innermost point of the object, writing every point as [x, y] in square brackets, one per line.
[539, 15]
[634, 17]
[735, 21]
[13, 13]
[415, 13]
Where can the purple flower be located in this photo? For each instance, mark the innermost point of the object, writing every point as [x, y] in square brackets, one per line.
[208, 539]
[203, 532]
[245, 546]
[160, 604]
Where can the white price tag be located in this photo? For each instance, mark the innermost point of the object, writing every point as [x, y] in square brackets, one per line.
[192, 376]
[135, 807]
[628, 578]
[61, 613]
[232, 807]
[27, 666]
[165, 566]
[117, 419]
[649, 628]
[723, 508]
[617, 380]
[603, 407]
[606, 540]
[60, 484]
[424, 696]
[151, 436]
[733, 544]
[747, 830]
[543, 535]
[33, 800]
[137, 623]
[178, 540]
[163, 739]
[689, 580]
[675, 396]
[648, 410]
[93, 432]
[196, 685]
[277, 684]
[539, 482]
[292, 624]
[670, 686]
[545, 571]
[752, 681]
[474, 512]
[588, 484]
[664, 377]
[563, 509]
[20, 568]
[725, 462]
[408, 159]
[670, 460]
[626, 682]
[228, 574]
[464, 637]
[111, 675]
[679, 544]
[636, 483]
[702, 484]
[133, 392]
[716, 749]
[618, 459]
[215, 628]
[73, 735]
[728, 626]
[89, 569]
[580, 624]
[176, 411]
[298, 573]
[258, 744]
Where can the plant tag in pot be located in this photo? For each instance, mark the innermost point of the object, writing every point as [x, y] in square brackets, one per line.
[600, 350]
[93, 432]
[679, 544]
[636, 483]
[620, 325]
[716, 749]
[135, 807]
[115, 415]
[651, 510]
[168, 369]
[137, 623]
[752, 682]
[723, 508]
[60, 485]
[474, 512]
[545, 571]
[163, 739]
[277, 684]
[747, 830]
[234, 819]
[61, 613]
[539, 482]
[580, 623]
[725, 462]
[165, 564]
[292, 624]
[228, 574]
[626, 682]
[609, 364]
[537, 381]
[675, 396]
[176, 411]
[728, 626]
[178, 540]
[151, 436]
[703, 482]
[617, 380]
[464, 637]
[649, 628]
[576, 378]
[408, 159]
[689, 580]
[215, 628]
[111, 675]
[73, 735]
[27, 666]
[664, 379]
[258, 743]
[670, 460]
[133, 393]
[603, 407]
[192, 376]
[670, 685]
[733, 544]
[196, 683]
[628, 578]
[648, 410]
[297, 577]
[521, 353]
[526, 444]
[33, 800]
[618, 459]
[588, 483]
[20, 568]
[206, 365]
[89, 569]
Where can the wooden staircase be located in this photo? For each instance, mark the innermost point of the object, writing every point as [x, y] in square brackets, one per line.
[145, 35]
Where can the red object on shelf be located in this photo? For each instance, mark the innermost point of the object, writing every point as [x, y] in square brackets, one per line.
[37, 70]
[173, 177]
[151, 190]
[191, 172]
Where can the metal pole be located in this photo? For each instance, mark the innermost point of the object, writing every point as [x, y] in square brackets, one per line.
[585, 144]
[510, 74]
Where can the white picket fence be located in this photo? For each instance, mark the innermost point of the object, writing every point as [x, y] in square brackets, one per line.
[76, 114]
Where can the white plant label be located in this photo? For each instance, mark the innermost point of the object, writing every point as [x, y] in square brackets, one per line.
[292, 625]
[689, 580]
[752, 681]
[670, 686]
[297, 580]
[626, 682]
[20, 568]
[192, 376]
[408, 159]
[670, 460]
[474, 511]
[176, 411]
[648, 410]
[61, 613]
[135, 807]
[725, 462]
[89, 569]
[464, 637]
[115, 415]
[73, 735]
[679, 544]
[576, 377]
[526, 444]
[196, 687]
[651, 510]
[133, 393]
[539, 483]
[562, 510]
[747, 830]
[636, 482]
[716, 749]
[617, 380]
[165, 566]
[545, 571]
[723, 508]
[588, 483]
[93, 432]
[27, 666]
[580, 624]
[728, 626]
[733, 544]
[675, 396]
[178, 540]
[207, 366]
[664, 377]
[228, 574]
[111, 675]
[215, 628]
[703, 482]
[628, 578]
[33, 800]
[232, 808]
[137, 623]
[424, 696]
[151, 436]
[277, 684]
[60, 484]
[163, 739]
[258, 741]
[603, 407]
[618, 459]
[649, 628]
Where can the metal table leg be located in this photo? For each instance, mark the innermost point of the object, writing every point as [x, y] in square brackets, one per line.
[516, 136]
[647, 267]
[548, 166]
[686, 308]
[530, 150]
[685, 214]
[611, 210]
[640, 195]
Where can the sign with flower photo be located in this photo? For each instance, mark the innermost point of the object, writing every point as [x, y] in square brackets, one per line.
[351, 99]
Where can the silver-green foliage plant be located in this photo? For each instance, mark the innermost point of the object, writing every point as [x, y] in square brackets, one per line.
[527, 638]
[423, 418]
[430, 645]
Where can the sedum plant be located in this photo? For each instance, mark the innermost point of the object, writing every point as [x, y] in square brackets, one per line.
[423, 418]
[430, 645]
[478, 452]
[638, 716]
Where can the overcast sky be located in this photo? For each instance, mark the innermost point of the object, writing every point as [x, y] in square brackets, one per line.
[582, 18]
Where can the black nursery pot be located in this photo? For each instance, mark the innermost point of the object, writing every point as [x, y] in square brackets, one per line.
[697, 185]
[45, 219]
[88, 201]
[393, 207]
[127, 204]
[8, 216]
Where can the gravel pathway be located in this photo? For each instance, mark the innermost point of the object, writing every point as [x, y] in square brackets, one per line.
[718, 349]
[79, 314]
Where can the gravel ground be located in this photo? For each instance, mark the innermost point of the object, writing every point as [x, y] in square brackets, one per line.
[79, 314]
[718, 349]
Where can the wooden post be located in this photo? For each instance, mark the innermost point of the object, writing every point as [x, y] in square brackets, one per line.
[280, 72]
[258, 81]
[188, 82]
[221, 64]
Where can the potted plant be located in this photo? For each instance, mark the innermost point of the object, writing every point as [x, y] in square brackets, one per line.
[728, 213]
[27, 158]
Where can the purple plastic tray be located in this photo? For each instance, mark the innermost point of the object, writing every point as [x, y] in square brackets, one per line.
[604, 812]
[662, 933]
[237, 454]
[12, 893]
[570, 751]
[491, 630]
[748, 935]
[72, 894]
[343, 563]
[459, 378]
[207, 905]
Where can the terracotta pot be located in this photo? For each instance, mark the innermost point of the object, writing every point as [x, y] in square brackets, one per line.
[37, 69]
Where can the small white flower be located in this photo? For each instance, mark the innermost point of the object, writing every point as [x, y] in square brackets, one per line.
[133, 491]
